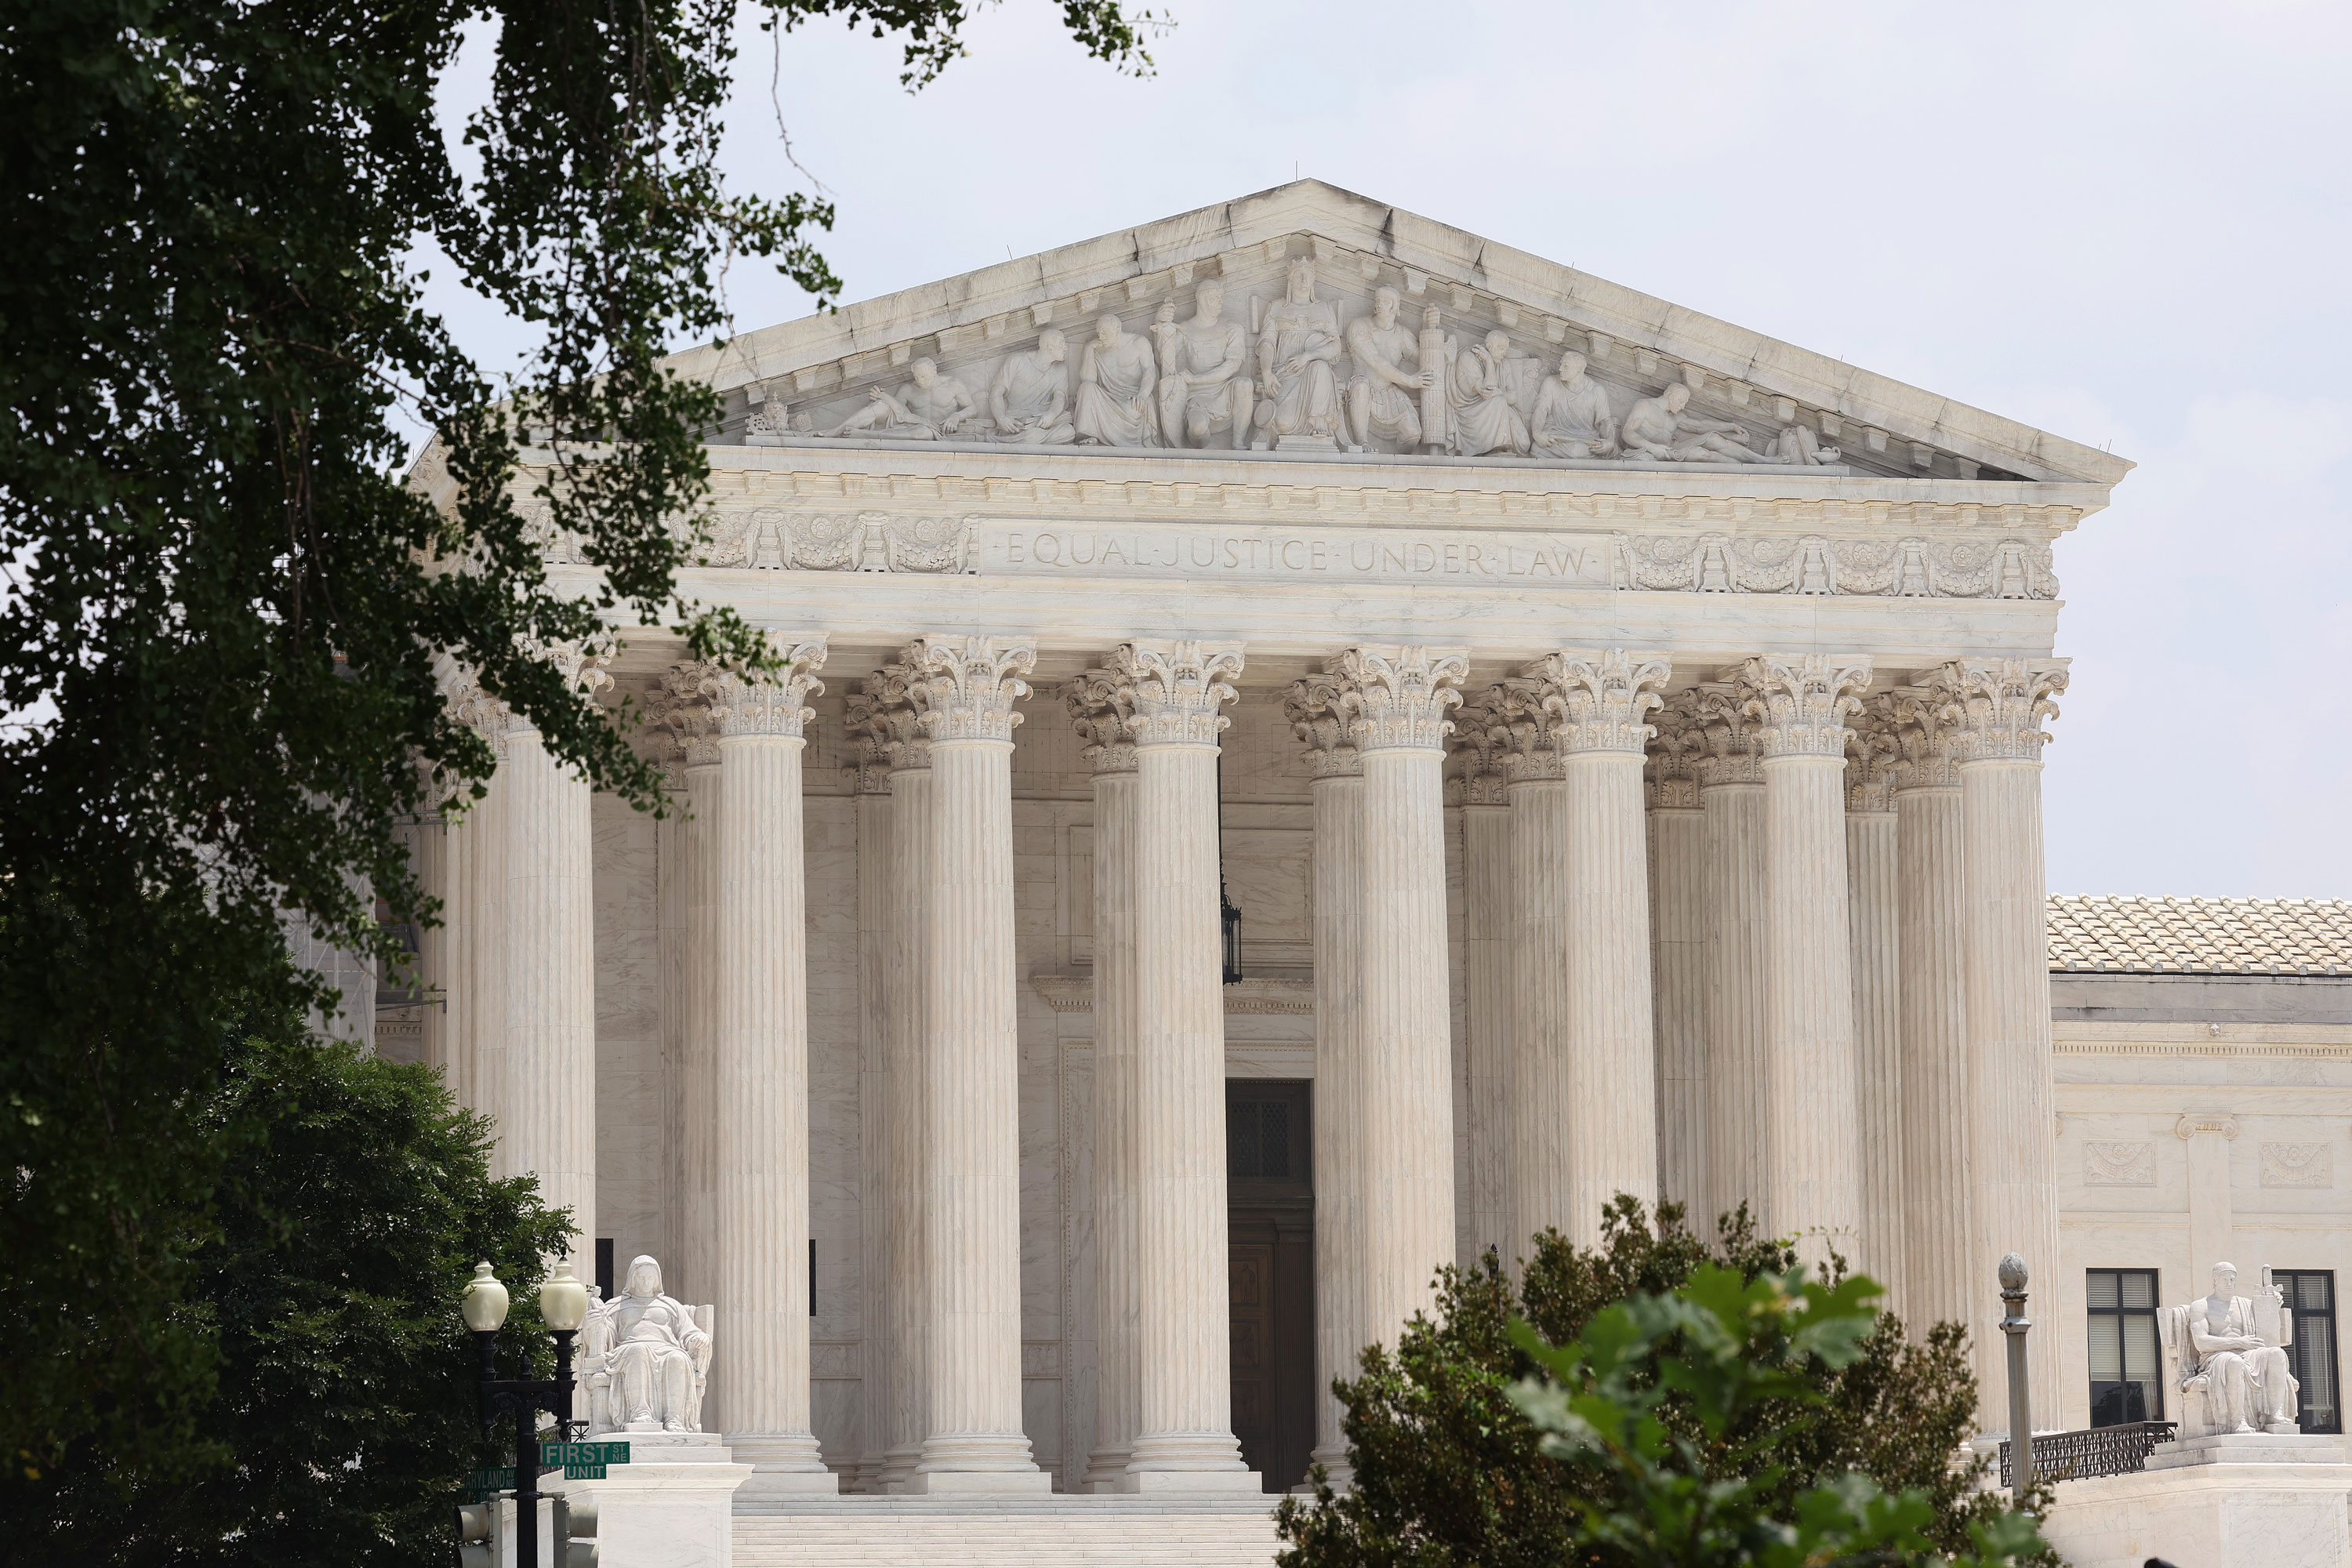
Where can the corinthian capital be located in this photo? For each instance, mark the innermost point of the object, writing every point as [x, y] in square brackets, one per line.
[582, 660]
[1397, 699]
[1481, 743]
[474, 705]
[964, 688]
[1312, 706]
[770, 702]
[1874, 757]
[1679, 740]
[1928, 743]
[1600, 701]
[681, 706]
[869, 760]
[1996, 706]
[892, 718]
[1801, 705]
[1175, 689]
[1097, 704]
[1727, 752]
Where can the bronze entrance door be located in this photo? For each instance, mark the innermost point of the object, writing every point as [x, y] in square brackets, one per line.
[1270, 1221]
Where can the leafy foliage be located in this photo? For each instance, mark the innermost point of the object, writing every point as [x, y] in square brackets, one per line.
[225, 616]
[1448, 1470]
[355, 1200]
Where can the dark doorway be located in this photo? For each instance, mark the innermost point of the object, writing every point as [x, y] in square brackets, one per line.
[1270, 1223]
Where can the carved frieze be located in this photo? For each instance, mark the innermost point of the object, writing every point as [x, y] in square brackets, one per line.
[2107, 1163]
[1913, 568]
[774, 538]
[2298, 1165]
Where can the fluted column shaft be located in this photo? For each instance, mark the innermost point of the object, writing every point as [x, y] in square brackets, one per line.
[1678, 872]
[698, 1062]
[1938, 1232]
[1874, 922]
[671, 935]
[1487, 963]
[440, 873]
[876, 955]
[480, 1003]
[2012, 1095]
[906, 1119]
[1731, 795]
[1184, 1438]
[964, 689]
[1397, 701]
[1339, 796]
[760, 1077]
[542, 1078]
[1539, 1003]
[1813, 1186]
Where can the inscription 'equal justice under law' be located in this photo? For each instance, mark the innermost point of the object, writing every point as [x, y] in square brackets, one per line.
[1280, 553]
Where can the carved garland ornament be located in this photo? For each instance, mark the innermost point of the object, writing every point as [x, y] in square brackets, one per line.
[1912, 568]
[775, 538]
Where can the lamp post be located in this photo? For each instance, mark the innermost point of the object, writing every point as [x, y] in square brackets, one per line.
[563, 1307]
[2014, 1323]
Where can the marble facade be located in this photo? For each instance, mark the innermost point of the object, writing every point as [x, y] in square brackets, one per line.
[1620, 732]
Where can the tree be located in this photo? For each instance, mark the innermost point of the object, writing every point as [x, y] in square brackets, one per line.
[1448, 1470]
[225, 616]
[355, 1199]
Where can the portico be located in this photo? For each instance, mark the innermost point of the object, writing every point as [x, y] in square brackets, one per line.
[1663, 823]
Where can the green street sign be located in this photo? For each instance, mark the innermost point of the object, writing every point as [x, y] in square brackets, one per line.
[570, 1454]
[490, 1480]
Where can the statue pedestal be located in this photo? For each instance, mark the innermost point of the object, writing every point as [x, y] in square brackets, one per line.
[671, 1506]
[2249, 1500]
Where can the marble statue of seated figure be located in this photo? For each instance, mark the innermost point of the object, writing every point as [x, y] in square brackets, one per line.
[1657, 427]
[2248, 1387]
[1029, 398]
[1798, 445]
[1118, 382]
[929, 407]
[645, 1358]
[1573, 417]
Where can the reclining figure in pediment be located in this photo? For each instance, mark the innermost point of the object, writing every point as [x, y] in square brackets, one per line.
[931, 407]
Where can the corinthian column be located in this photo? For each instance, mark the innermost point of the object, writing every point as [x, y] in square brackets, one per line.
[1184, 1439]
[1480, 787]
[1813, 1170]
[1312, 707]
[1100, 709]
[906, 1045]
[1998, 708]
[1731, 795]
[1536, 787]
[1395, 701]
[1875, 921]
[1939, 1235]
[964, 689]
[760, 1077]
[868, 766]
[1679, 974]
[538, 1079]
[1603, 1104]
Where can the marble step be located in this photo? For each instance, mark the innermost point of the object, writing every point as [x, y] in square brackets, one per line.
[1006, 1533]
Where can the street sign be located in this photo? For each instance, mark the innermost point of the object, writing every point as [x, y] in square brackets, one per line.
[578, 1461]
[571, 1454]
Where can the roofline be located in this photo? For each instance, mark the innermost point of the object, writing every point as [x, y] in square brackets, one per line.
[1315, 207]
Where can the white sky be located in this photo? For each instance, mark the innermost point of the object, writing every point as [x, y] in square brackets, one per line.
[2126, 223]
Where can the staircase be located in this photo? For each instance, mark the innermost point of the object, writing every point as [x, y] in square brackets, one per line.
[1057, 1531]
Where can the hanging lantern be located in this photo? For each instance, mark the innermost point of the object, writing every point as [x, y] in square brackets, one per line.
[1230, 917]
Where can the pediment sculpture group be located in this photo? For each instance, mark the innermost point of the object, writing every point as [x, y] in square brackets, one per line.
[1203, 383]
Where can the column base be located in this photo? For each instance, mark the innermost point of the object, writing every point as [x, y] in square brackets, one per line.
[1336, 1468]
[784, 1464]
[1192, 1483]
[1104, 1468]
[897, 1465]
[978, 1462]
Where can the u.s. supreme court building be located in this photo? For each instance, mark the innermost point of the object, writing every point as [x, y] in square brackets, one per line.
[1316, 744]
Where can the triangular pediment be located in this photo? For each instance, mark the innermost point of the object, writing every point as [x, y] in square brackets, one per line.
[785, 384]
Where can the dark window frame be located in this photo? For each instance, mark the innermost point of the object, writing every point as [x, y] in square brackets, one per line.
[2300, 1352]
[2118, 1403]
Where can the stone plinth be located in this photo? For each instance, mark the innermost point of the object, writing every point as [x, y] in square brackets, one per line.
[671, 1506]
[2250, 1501]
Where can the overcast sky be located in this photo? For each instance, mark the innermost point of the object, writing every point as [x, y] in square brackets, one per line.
[2126, 224]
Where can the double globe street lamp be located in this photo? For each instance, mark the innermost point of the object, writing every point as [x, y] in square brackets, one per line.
[563, 1307]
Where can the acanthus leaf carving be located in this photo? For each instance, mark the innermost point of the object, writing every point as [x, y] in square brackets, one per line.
[1312, 706]
[1480, 748]
[1928, 742]
[1175, 689]
[1800, 705]
[892, 719]
[1097, 704]
[1873, 755]
[965, 687]
[1678, 741]
[1397, 697]
[1995, 706]
[768, 702]
[1600, 702]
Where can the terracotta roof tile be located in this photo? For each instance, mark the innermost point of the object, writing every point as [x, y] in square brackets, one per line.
[2199, 936]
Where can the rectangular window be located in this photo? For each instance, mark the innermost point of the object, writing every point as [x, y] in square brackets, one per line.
[2311, 1297]
[2125, 1383]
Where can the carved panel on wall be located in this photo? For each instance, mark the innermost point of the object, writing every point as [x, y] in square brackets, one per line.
[2118, 1164]
[2298, 1165]
[775, 538]
[1914, 568]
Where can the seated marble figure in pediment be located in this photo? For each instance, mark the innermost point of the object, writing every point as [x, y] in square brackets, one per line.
[1327, 341]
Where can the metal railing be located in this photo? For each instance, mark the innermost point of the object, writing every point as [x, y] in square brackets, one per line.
[2099, 1451]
